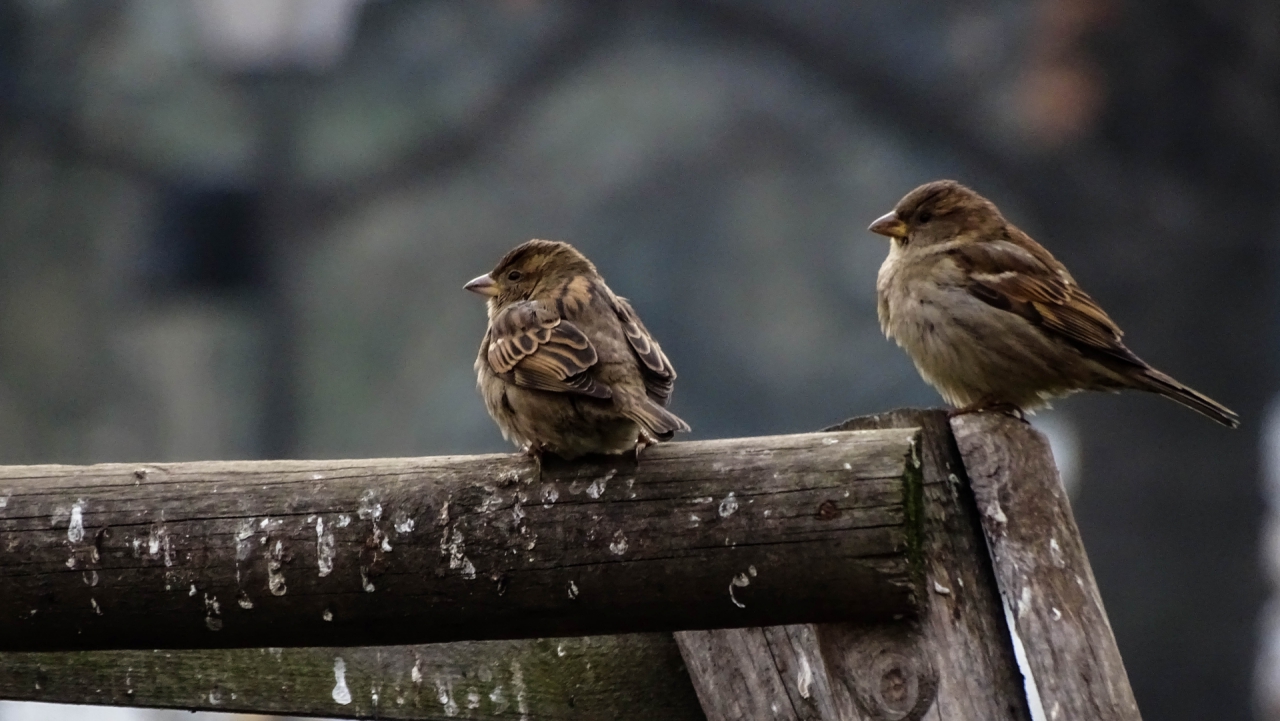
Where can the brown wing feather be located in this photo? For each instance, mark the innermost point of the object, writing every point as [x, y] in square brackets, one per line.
[1008, 276]
[535, 348]
[659, 375]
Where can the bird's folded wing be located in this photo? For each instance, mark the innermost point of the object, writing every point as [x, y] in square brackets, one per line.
[659, 375]
[1011, 278]
[531, 345]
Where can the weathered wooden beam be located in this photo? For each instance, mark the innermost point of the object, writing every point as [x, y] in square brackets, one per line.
[710, 534]
[777, 673]
[601, 678]
[954, 661]
[962, 622]
[1043, 572]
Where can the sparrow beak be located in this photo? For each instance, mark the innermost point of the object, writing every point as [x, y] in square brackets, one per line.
[483, 285]
[889, 225]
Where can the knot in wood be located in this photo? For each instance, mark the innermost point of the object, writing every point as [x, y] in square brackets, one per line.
[828, 511]
[888, 669]
[898, 690]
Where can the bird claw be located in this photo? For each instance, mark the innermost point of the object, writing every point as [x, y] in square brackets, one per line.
[535, 451]
[643, 441]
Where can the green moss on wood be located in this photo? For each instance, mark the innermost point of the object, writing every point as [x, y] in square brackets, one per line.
[604, 677]
[913, 510]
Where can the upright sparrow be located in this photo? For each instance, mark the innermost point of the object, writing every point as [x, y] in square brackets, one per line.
[992, 320]
[566, 366]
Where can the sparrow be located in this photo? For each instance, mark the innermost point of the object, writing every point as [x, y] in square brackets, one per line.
[992, 320]
[566, 366]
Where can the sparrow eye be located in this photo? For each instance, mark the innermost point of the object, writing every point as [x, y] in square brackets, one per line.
[513, 276]
[925, 216]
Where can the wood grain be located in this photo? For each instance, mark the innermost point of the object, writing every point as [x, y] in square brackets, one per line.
[950, 658]
[962, 621]
[744, 674]
[710, 534]
[1043, 571]
[569, 679]
[955, 661]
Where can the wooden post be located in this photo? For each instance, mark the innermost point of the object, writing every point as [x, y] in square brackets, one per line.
[1043, 572]
[343, 553]
[956, 660]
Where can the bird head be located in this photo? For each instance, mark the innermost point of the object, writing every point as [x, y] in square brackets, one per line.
[528, 268]
[937, 212]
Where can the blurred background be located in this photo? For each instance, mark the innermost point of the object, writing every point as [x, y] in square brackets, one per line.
[239, 229]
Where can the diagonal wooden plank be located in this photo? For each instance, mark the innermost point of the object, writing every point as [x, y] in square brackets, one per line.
[1043, 571]
[952, 661]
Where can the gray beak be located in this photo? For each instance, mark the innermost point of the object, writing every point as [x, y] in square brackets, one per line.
[484, 285]
[889, 225]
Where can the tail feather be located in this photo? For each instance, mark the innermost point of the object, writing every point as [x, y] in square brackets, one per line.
[1196, 401]
[654, 419]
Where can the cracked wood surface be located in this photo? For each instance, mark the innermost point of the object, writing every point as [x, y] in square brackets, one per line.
[952, 659]
[601, 678]
[709, 534]
[1043, 571]
[955, 661]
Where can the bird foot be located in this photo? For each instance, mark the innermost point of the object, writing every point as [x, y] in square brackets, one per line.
[535, 451]
[1008, 409]
[643, 441]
